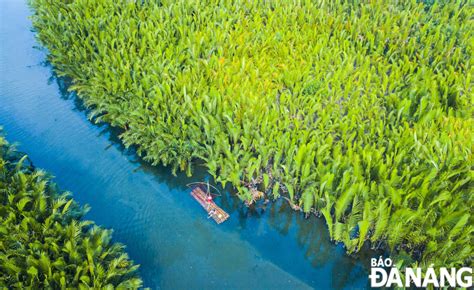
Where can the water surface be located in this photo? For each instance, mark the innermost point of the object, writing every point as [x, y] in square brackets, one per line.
[151, 211]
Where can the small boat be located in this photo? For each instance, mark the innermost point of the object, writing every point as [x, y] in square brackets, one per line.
[213, 210]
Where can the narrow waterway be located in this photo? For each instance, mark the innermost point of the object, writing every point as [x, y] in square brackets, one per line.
[151, 211]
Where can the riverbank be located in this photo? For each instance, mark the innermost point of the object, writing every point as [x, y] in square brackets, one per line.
[302, 120]
[301, 115]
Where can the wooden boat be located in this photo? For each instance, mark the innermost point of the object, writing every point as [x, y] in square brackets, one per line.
[214, 211]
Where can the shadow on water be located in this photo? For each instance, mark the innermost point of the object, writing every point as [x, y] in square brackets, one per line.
[312, 236]
[162, 174]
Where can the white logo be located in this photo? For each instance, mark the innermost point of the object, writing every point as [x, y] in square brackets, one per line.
[382, 274]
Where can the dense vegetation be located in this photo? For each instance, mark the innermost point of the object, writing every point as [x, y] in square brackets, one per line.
[361, 113]
[44, 244]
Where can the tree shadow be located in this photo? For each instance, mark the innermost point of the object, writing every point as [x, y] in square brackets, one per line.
[311, 233]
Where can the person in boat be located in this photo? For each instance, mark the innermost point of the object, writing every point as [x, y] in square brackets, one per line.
[209, 200]
[211, 213]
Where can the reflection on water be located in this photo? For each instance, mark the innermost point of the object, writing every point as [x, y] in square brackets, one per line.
[150, 210]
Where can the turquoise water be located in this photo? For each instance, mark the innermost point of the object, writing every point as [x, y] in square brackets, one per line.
[151, 211]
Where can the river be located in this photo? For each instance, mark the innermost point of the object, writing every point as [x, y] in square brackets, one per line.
[150, 210]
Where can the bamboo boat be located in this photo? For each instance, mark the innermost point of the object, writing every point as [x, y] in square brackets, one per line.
[214, 211]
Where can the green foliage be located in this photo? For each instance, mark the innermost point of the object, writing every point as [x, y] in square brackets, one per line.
[360, 112]
[43, 241]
